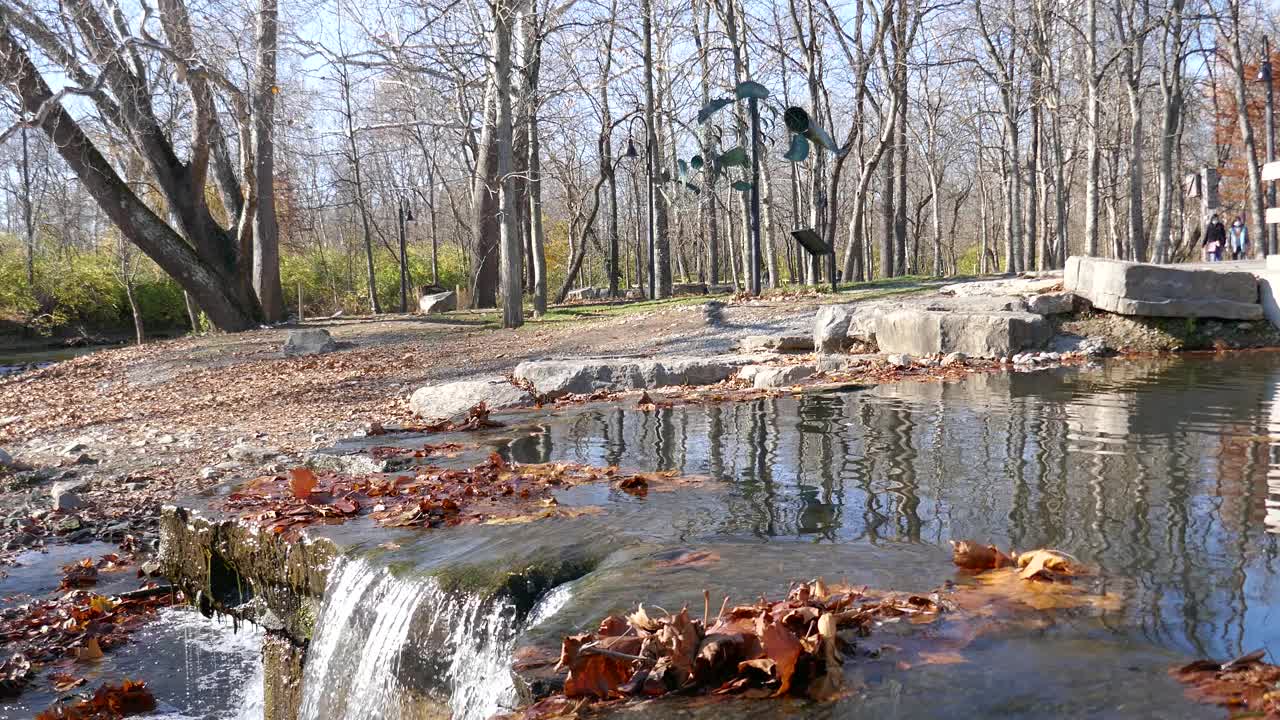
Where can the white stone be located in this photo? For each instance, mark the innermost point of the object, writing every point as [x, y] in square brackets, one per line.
[437, 303]
[899, 360]
[66, 494]
[954, 358]
[785, 376]
[452, 401]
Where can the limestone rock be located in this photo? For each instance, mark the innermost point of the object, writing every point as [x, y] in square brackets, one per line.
[585, 293]
[249, 453]
[451, 401]
[1004, 286]
[984, 335]
[785, 376]
[831, 328]
[556, 378]
[309, 341]
[66, 494]
[1054, 303]
[437, 303]
[1163, 290]
[777, 343]
[954, 358]
[899, 360]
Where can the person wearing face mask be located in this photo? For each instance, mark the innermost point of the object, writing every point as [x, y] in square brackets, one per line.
[1238, 238]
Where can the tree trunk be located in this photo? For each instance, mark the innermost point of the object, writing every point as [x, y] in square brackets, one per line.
[512, 296]
[266, 230]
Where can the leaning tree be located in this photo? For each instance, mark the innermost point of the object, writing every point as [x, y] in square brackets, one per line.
[119, 80]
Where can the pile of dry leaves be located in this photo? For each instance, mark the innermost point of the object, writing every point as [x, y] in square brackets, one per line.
[494, 491]
[797, 646]
[792, 647]
[59, 633]
[109, 702]
[1248, 686]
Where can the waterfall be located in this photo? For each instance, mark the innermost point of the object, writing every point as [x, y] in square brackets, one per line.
[378, 634]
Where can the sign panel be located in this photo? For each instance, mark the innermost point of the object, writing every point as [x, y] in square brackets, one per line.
[1273, 216]
[811, 242]
[1271, 171]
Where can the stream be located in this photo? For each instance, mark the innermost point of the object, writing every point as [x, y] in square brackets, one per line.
[1164, 474]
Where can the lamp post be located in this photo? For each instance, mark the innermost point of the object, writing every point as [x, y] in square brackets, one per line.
[1269, 245]
[404, 215]
[648, 176]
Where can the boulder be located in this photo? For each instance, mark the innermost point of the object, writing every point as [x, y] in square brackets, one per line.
[785, 376]
[6, 460]
[449, 402]
[983, 335]
[955, 358]
[1004, 286]
[1149, 290]
[831, 328]
[557, 378]
[585, 293]
[1054, 303]
[66, 494]
[974, 303]
[437, 303]
[899, 360]
[309, 341]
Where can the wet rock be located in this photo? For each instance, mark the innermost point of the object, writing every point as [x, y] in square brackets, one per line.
[1164, 290]
[557, 378]
[1056, 303]
[309, 341]
[786, 376]
[451, 401]
[437, 303]
[68, 524]
[986, 335]
[150, 568]
[115, 531]
[345, 464]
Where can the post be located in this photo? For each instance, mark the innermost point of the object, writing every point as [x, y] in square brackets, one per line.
[301, 314]
[1269, 244]
[756, 259]
[404, 257]
[648, 174]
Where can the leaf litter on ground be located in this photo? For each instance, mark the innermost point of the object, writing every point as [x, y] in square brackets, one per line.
[1247, 686]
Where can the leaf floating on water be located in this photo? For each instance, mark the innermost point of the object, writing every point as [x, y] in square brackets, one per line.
[1048, 565]
[91, 650]
[1247, 685]
[970, 555]
[108, 703]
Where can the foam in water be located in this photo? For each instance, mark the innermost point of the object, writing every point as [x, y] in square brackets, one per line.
[376, 628]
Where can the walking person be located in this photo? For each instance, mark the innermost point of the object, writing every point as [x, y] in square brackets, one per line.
[1215, 237]
[1238, 237]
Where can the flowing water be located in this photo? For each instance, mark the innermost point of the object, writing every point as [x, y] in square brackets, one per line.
[1165, 475]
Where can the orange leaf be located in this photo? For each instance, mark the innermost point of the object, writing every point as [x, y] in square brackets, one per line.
[301, 482]
[782, 647]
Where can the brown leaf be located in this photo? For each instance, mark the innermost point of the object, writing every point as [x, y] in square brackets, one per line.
[597, 676]
[691, 558]
[634, 485]
[640, 620]
[783, 648]
[91, 650]
[718, 656]
[301, 482]
[970, 555]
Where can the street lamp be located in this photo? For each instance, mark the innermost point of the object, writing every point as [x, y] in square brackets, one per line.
[1269, 247]
[404, 214]
[648, 176]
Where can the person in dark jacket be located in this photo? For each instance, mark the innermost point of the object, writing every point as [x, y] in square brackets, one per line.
[1238, 235]
[1215, 238]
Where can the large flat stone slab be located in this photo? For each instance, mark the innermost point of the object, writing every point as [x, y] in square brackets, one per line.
[976, 334]
[556, 378]
[1149, 290]
[451, 401]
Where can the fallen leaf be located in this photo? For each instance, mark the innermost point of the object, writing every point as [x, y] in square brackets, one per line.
[691, 559]
[970, 555]
[301, 482]
[783, 648]
[91, 650]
